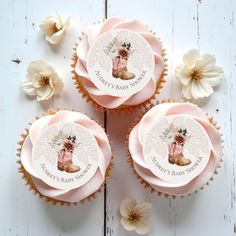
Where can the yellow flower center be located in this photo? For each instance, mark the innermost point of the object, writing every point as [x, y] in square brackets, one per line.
[44, 81]
[134, 217]
[196, 75]
[53, 28]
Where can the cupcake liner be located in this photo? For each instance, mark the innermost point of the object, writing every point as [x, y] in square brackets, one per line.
[27, 177]
[144, 183]
[123, 108]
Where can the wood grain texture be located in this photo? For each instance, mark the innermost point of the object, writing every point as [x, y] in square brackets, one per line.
[182, 25]
[207, 24]
[21, 212]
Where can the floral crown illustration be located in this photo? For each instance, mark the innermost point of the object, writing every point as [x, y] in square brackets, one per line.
[172, 134]
[116, 47]
[62, 141]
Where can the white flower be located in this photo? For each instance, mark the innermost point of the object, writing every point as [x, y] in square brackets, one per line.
[198, 74]
[41, 81]
[135, 216]
[54, 27]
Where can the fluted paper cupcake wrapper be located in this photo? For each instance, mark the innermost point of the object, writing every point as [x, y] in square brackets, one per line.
[29, 182]
[144, 183]
[78, 81]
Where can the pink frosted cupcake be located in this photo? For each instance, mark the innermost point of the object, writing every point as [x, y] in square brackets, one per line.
[119, 65]
[175, 148]
[65, 157]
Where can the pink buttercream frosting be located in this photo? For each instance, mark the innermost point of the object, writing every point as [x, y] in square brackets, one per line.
[104, 156]
[89, 37]
[139, 132]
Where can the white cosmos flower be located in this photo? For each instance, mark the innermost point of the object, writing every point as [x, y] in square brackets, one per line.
[54, 27]
[198, 74]
[41, 81]
[135, 216]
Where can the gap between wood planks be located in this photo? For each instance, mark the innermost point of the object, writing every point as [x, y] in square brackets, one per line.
[105, 126]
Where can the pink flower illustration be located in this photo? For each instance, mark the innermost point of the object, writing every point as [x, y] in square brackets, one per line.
[123, 52]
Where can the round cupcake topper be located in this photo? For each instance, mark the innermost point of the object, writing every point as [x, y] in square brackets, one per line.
[120, 63]
[65, 155]
[177, 149]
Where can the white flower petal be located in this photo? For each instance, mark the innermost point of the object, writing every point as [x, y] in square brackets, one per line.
[190, 57]
[58, 86]
[198, 74]
[186, 90]
[55, 38]
[30, 91]
[204, 86]
[59, 25]
[53, 27]
[44, 93]
[187, 71]
[200, 89]
[144, 209]
[127, 224]
[41, 81]
[183, 75]
[49, 23]
[143, 226]
[67, 22]
[35, 78]
[35, 67]
[46, 28]
[185, 80]
[195, 91]
[127, 206]
[214, 77]
[205, 63]
[28, 88]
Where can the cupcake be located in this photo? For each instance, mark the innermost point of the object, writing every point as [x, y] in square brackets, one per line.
[119, 65]
[175, 148]
[64, 157]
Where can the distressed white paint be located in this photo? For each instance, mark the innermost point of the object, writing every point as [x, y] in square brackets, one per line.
[183, 25]
[209, 25]
[21, 212]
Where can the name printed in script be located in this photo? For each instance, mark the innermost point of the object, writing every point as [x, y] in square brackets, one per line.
[185, 171]
[117, 86]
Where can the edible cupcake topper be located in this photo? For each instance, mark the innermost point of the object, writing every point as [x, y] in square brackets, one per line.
[120, 63]
[175, 148]
[172, 149]
[65, 155]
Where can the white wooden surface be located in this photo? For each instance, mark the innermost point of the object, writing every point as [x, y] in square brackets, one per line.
[182, 25]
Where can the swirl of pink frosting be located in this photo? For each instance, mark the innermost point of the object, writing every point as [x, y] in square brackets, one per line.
[104, 156]
[136, 141]
[89, 37]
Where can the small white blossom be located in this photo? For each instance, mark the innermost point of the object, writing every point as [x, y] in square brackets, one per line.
[198, 74]
[136, 216]
[41, 81]
[54, 27]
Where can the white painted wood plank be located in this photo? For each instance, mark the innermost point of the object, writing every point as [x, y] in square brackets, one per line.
[211, 211]
[21, 212]
[182, 25]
